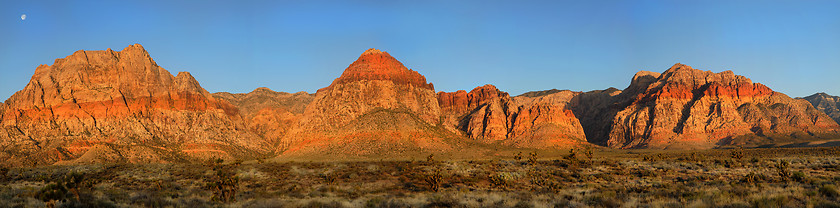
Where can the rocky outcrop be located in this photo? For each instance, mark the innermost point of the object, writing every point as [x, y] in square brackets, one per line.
[482, 114]
[828, 104]
[119, 106]
[267, 113]
[532, 120]
[545, 121]
[377, 106]
[688, 108]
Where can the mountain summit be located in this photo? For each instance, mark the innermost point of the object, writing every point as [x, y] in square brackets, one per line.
[118, 106]
[377, 106]
[374, 64]
[686, 108]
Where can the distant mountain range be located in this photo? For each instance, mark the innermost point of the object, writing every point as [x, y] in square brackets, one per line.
[109, 106]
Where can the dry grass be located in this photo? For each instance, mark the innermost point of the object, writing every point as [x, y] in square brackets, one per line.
[712, 178]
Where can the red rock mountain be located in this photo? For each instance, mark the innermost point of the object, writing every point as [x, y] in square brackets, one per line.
[118, 106]
[267, 113]
[98, 106]
[377, 106]
[828, 104]
[688, 108]
[536, 120]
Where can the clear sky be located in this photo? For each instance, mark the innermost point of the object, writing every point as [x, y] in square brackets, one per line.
[519, 46]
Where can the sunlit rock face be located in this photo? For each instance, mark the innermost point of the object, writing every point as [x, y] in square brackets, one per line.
[686, 108]
[119, 106]
[533, 120]
[376, 107]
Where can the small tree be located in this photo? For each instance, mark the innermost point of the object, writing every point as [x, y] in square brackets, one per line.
[52, 193]
[430, 159]
[434, 180]
[532, 158]
[224, 183]
[737, 154]
[783, 169]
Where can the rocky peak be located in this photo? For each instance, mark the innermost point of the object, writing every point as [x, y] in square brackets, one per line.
[373, 51]
[462, 101]
[374, 64]
[92, 76]
[828, 104]
[184, 81]
[683, 82]
[680, 73]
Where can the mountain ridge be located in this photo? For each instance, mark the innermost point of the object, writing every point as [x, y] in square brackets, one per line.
[100, 106]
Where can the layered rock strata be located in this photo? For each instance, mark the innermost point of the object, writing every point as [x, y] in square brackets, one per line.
[118, 106]
[377, 106]
[685, 108]
[533, 120]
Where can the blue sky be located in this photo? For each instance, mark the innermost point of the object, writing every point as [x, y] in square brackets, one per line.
[519, 46]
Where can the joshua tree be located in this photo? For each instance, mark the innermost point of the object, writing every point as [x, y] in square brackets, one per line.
[224, 183]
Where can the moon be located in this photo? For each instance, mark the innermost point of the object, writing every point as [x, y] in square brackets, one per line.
[23, 17]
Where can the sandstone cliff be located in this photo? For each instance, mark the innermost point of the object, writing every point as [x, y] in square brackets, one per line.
[377, 107]
[267, 113]
[828, 104]
[688, 108]
[119, 106]
[532, 120]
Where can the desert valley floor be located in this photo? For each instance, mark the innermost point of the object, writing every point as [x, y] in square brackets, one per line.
[785, 177]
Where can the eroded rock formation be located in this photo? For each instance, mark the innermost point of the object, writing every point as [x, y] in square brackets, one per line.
[828, 104]
[267, 113]
[377, 106]
[685, 108]
[118, 106]
[532, 120]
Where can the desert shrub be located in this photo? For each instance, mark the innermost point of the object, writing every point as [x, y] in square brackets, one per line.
[779, 201]
[601, 201]
[523, 204]
[517, 156]
[652, 158]
[3, 171]
[737, 154]
[52, 193]
[224, 183]
[589, 154]
[532, 158]
[328, 178]
[500, 180]
[77, 183]
[544, 182]
[753, 178]
[827, 204]
[434, 180]
[73, 183]
[150, 200]
[783, 169]
[445, 200]
[829, 190]
[799, 176]
[430, 159]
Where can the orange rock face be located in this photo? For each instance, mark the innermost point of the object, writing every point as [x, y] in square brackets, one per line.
[377, 102]
[379, 65]
[122, 99]
[688, 108]
[267, 113]
[488, 115]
